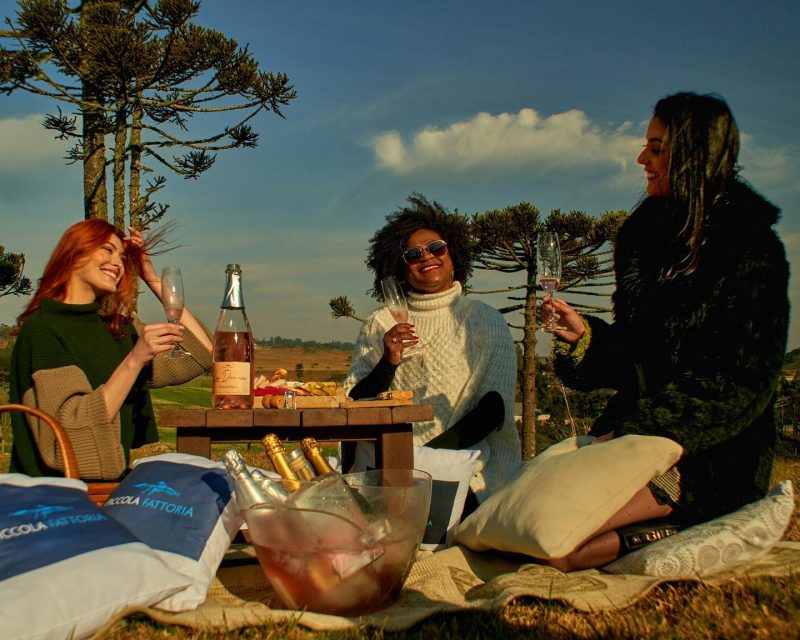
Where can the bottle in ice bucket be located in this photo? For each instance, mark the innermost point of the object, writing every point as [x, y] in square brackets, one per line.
[271, 488]
[277, 456]
[232, 373]
[300, 464]
[313, 453]
[357, 506]
[247, 492]
[332, 493]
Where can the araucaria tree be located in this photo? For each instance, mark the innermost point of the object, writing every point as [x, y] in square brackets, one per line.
[12, 281]
[507, 243]
[130, 75]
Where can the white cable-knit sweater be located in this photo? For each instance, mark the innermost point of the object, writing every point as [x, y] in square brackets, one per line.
[468, 351]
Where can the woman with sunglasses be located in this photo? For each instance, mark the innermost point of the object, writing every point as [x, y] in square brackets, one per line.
[700, 321]
[81, 357]
[467, 368]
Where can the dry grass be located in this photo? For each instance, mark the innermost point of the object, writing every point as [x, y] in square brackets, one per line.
[318, 363]
[757, 608]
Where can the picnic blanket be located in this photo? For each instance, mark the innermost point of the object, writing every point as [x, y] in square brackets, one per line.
[455, 579]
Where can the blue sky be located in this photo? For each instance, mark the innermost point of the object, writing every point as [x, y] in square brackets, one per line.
[477, 105]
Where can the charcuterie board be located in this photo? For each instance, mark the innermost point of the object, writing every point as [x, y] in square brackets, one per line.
[300, 402]
[273, 398]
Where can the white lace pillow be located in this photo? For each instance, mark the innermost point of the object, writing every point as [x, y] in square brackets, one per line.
[565, 494]
[66, 568]
[183, 507]
[718, 544]
[451, 470]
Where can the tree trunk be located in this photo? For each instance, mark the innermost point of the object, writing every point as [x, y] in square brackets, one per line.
[120, 140]
[95, 198]
[135, 186]
[529, 373]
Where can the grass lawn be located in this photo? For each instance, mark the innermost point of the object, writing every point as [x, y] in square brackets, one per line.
[750, 608]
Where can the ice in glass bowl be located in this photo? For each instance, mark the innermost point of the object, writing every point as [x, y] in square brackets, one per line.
[343, 545]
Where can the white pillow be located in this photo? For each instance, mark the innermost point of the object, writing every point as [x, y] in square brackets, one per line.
[66, 568]
[718, 544]
[565, 494]
[451, 470]
[182, 506]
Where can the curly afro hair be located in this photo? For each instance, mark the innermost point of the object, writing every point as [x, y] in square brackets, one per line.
[385, 247]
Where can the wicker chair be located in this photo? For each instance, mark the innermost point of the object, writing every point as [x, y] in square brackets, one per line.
[98, 491]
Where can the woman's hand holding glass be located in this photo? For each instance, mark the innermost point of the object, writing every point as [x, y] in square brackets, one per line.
[395, 341]
[572, 326]
[400, 340]
[172, 299]
[548, 271]
[155, 338]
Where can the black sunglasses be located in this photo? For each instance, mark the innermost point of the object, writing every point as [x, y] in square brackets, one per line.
[413, 255]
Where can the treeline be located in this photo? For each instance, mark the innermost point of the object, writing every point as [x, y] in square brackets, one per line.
[284, 343]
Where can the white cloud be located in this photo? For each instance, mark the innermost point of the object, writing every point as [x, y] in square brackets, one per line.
[26, 144]
[510, 141]
[767, 165]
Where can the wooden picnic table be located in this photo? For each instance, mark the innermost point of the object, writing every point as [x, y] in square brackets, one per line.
[390, 428]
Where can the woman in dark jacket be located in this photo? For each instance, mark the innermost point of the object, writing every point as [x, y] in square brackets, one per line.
[700, 321]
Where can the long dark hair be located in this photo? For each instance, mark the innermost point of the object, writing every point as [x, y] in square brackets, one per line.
[703, 144]
[385, 246]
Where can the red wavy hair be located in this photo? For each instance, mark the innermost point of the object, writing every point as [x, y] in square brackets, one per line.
[75, 246]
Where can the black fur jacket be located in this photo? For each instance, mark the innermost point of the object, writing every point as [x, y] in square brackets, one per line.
[696, 359]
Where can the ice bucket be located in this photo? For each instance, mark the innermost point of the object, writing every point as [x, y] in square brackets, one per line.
[343, 545]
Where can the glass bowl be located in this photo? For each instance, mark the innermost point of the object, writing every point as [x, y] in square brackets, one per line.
[343, 544]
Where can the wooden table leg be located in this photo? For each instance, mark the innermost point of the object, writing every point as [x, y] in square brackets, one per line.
[192, 444]
[395, 450]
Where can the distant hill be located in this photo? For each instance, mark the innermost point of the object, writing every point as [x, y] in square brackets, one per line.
[277, 341]
[792, 359]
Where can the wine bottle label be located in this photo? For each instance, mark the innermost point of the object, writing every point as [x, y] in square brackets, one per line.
[231, 378]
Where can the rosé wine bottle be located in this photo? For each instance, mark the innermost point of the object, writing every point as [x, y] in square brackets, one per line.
[233, 362]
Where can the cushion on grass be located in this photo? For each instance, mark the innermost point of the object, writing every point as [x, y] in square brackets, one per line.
[182, 506]
[718, 544]
[66, 568]
[451, 471]
[565, 494]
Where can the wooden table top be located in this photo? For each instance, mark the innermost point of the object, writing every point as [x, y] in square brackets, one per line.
[208, 417]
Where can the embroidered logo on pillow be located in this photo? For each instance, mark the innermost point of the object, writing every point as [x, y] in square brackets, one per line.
[40, 516]
[66, 567]
[182, 506]
[172, 507]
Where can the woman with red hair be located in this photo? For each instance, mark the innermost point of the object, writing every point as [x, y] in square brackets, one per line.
[82, 357]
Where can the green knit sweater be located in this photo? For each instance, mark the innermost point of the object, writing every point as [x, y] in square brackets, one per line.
[63, 355]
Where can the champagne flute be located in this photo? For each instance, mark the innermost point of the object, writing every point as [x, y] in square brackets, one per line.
[173, 301]
[548, 271]
[397, 305]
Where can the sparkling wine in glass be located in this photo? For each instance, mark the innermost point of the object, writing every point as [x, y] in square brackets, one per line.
[397, 305]
[548, 270]
[173, 301]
